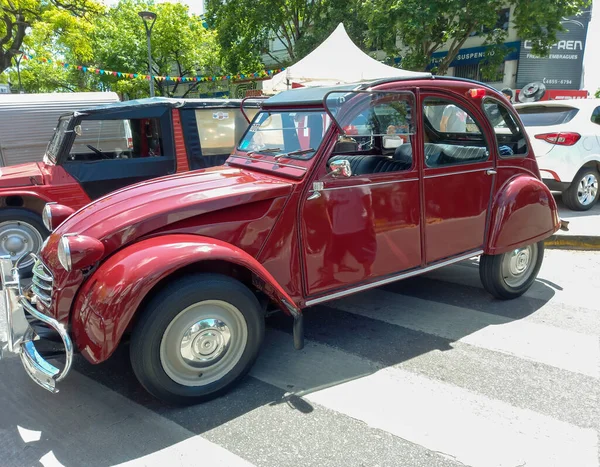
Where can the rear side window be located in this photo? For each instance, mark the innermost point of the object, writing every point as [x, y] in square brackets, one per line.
[546, 115]
[221, 129]
[596, 116]
[510, 137]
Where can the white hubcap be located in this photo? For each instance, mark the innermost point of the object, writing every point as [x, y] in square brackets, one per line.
[587, 189]
[518, 265]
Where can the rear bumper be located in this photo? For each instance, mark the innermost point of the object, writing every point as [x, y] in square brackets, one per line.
[553, 185]
[17, 337]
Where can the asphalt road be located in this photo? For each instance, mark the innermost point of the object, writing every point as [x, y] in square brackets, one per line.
[426, 372]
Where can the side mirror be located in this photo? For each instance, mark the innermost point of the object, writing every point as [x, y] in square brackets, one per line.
[340, 168]
[78, 130]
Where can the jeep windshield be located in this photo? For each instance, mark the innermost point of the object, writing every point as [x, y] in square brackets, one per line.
[296, 135]
[57, 140]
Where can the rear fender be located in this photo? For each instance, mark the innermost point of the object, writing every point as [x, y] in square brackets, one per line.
[523, 212]
[107, 302]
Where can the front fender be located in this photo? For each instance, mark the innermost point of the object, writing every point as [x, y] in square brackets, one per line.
[523, 212]
[106, 303]
[15, 191]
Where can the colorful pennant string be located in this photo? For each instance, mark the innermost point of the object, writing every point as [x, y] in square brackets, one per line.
[263, 74]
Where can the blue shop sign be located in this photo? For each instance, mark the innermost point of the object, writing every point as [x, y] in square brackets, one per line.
[474, 55]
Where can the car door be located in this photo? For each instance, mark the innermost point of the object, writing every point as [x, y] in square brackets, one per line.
[458, 177]
[366, 226]
[113, 150]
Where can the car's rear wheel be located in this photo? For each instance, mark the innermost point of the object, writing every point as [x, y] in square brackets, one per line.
[511, 274]
[583, 192]
[197, 338]
[21, 232]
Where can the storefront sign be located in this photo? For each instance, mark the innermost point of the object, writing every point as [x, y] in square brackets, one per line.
[562, 68]
[473, 55]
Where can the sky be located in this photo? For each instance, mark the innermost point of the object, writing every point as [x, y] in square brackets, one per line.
[196, 6]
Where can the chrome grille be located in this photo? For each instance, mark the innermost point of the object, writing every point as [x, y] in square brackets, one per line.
[41, 283]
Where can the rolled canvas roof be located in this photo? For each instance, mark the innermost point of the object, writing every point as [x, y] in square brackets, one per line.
[336, 61]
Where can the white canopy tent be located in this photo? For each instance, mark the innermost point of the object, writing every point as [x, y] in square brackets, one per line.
[336, 61]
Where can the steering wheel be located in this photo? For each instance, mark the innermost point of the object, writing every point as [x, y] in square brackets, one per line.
[97, 151]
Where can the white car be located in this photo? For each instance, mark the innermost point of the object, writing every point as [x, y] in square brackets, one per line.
[565, 135]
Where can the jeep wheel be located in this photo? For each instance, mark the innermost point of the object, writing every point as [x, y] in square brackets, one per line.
[511, 274]
[197, 338]
[21, 233]
[583, 192]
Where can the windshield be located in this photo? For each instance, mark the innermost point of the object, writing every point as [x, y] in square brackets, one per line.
[546, 115]
[57, 139]
[285, 132]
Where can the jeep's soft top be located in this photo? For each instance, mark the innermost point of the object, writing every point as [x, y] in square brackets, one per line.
[207, 103]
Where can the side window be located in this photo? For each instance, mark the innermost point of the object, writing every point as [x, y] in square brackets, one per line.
[596, 116]
[452, 135]
[509, 134]
[117, 139]
[378, 132]
[221, 129]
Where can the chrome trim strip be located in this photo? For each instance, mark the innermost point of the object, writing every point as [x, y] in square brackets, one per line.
[455, 173]
[270, 162]
[395, 278]
[40, 270]
[368, 184]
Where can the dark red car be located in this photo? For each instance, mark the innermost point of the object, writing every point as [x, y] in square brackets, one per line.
[330, 192]
[97, 150]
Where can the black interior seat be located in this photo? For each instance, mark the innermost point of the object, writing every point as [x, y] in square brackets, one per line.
[455, 154]
[364, 165]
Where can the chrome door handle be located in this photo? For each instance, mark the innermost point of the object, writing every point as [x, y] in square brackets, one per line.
[491, 172]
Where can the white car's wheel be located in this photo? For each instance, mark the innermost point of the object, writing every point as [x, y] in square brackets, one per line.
[583, 192]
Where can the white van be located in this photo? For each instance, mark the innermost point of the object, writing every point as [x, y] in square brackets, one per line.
[28, 121]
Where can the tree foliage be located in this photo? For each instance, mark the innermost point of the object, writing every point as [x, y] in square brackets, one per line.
[63, 24]
[417, 29]
[245, 27]
[181, 46]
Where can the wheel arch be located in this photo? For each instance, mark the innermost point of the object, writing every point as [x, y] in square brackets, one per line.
[523, 212]
[106, 306]
[23, 200]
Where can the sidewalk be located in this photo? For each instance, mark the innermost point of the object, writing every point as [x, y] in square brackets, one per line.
[584, 229]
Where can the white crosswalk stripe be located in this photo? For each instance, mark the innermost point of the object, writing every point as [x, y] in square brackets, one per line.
[388, 377]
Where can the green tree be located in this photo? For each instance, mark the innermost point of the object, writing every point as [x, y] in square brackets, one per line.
[65, 24]
[422, 28]
[181, 47]
[245, 27]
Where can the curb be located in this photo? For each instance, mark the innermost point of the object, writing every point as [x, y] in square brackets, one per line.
[573, 242]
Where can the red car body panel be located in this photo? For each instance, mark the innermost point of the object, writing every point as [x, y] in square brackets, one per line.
[130, 274]
[256, 212]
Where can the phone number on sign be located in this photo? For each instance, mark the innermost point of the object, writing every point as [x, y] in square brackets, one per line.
[557, 81]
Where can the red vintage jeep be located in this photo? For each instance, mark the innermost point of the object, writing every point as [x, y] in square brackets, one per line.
[330, 192]
[100, 149]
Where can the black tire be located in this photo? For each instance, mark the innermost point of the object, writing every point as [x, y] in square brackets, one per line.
[570, 195]
[165, 308]
[493, 278]
[23, 217]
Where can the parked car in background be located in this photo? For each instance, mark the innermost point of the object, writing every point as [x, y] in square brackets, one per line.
[301, 213]
[28, 121]
[100, 149]
[565, 136]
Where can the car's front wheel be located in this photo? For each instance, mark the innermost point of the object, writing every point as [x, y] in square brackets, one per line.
[197, 338]
[511, 274]
[583, 191]
[21, 233]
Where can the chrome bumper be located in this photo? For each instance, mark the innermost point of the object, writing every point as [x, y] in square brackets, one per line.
[17, 336]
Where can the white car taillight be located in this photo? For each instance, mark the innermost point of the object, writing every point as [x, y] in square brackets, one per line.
[562, 139]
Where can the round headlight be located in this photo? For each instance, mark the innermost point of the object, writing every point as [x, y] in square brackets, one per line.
[55, 214]
[47, 216]
[79, 251]
[64, 253]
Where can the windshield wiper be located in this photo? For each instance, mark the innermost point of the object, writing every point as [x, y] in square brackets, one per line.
[250, 153]
[293, 153]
